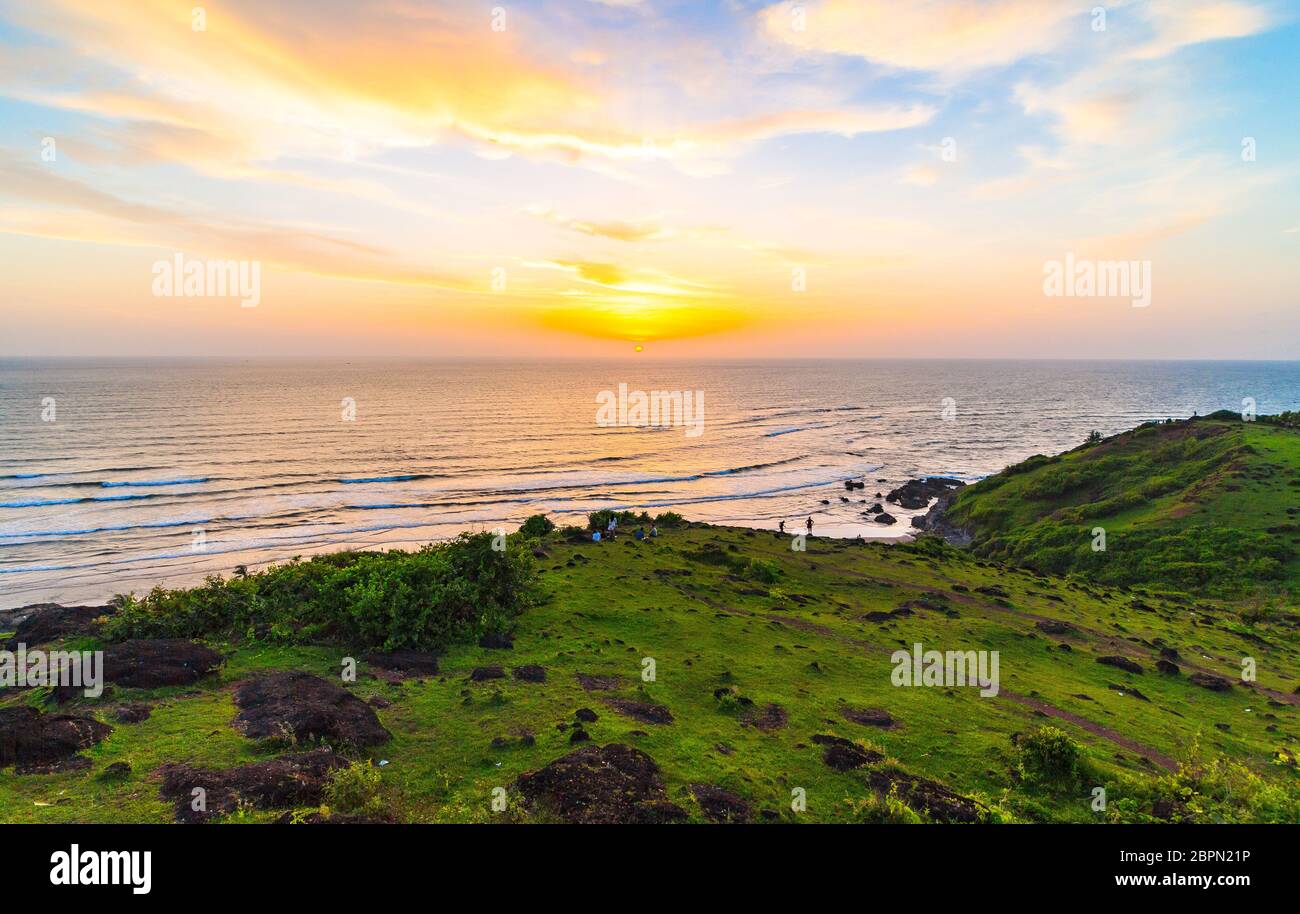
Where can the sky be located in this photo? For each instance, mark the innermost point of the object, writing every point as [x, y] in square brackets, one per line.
[824, 178]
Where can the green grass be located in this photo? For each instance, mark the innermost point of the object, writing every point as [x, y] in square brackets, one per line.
[1206, 507]
[803, 643]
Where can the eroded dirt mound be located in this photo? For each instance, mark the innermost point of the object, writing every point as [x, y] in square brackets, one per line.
[869, 717]
[530, 672]
[935, 800]
[843, 754]
[1206, 681]
[720, 805]
[293, 780]
[304, 707]
[49, 622]
[593, 683]
[769, 717]
[601, 785]
[133, 713]
[1122, 663]
[404, 662]
[641, 710]
[334, 818]
[34, 741]
[148, 663]
[484, 673]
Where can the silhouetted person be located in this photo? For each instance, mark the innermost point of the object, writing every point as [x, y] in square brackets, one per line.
[810, 524]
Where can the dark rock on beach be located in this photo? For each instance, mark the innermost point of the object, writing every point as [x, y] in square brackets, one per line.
[304, 707]
[916, 493]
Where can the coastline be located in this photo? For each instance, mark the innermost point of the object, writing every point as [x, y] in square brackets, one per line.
[908, 522]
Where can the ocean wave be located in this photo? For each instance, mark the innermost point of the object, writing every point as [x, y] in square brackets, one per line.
[41, 502]
[404, 478]
[755, 466]
[114, 528]
[801, 428]
[156, 482]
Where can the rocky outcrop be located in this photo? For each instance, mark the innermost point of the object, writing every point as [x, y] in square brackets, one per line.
[935, 521]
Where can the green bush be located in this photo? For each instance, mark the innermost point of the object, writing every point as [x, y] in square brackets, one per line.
[887, 810]
[1048, 757]
[444, 593]
[670, 519]
[356, 789]
[537, 525]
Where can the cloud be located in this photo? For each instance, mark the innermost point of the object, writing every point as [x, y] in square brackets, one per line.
[934, 35]
[83, 213]
[921, 176]
[638, 230]
[1180, 23]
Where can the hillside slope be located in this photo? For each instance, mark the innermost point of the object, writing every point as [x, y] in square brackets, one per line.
[772, 680]
[1207, 506]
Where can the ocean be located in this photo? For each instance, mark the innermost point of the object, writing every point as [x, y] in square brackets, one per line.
[119, 475]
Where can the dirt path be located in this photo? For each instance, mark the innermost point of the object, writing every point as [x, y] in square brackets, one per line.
[1035, 704]
[1113, 643]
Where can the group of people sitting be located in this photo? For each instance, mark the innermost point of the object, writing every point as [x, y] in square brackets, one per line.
[611, 531]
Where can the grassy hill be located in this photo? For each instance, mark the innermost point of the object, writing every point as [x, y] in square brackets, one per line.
[1206, 506]
[772, 679]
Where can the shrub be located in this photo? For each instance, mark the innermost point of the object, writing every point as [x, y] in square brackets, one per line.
[356, 789]
[670, 519]
[537, 525]
[760, 570]
[887, 810]
[1049, 757]
[449, 592]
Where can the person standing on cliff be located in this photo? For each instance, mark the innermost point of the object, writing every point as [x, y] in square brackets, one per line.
[810, 524]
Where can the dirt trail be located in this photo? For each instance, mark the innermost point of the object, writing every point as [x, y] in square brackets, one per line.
[1114, 643]
[1036, 704]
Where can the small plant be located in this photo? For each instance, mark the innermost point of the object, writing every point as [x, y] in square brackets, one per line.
[536, 526]
[356, 789]
[888, 810]
[1049, 757]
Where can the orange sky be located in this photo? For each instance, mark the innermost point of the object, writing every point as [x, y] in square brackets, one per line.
[732, 180]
